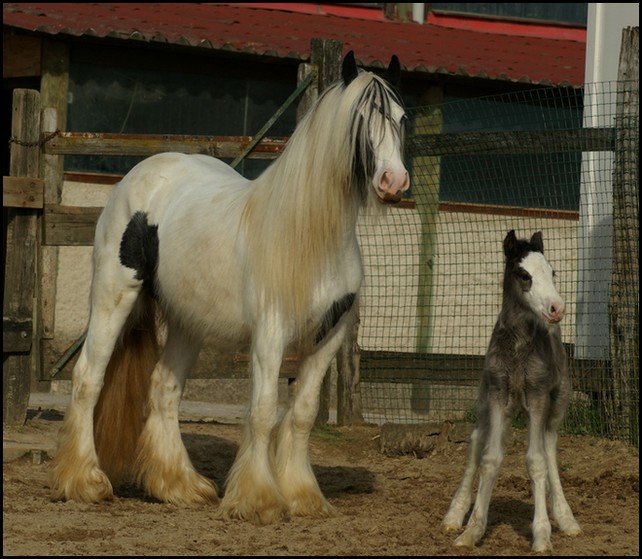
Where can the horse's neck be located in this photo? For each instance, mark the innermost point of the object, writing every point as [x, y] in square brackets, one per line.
[527, 332]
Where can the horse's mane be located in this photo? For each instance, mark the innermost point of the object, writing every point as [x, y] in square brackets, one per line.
[303, 208]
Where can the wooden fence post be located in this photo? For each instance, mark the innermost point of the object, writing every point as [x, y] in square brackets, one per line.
[20, 268]
[45, 300]
[624, 307]
[326, 55]
[349, 409]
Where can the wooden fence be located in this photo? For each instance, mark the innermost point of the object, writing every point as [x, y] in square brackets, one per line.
[38, 223]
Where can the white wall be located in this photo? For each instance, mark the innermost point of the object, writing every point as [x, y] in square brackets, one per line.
[603, 43]
[467, 269]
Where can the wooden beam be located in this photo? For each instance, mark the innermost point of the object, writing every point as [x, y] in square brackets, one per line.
[17, 335]
[396, 366]
[144, 145]
[22, 192]
[21, 55]
[516, 142]
[69, 225]
[464, 370]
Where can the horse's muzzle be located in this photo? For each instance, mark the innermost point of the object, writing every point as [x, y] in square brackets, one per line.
[392, 186]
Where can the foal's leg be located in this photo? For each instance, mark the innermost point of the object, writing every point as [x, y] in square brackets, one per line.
[491, 459]
[293, 469]
[561, 510]
[163, 467]
[76, 472]
[536, 464]
[463, 498]
[251, 491]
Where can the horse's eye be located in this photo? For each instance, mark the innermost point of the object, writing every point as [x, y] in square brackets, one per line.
[523, 274]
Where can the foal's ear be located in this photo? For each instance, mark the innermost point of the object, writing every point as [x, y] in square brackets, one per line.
[393, 73]
[510, 242]
[537, 242]
[349, 70]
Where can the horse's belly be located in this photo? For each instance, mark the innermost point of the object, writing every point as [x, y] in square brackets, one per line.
[206, 310]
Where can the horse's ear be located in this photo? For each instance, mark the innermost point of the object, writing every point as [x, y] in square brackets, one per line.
[393, 73]
[510, 242]
[537, 242]
[349, 70]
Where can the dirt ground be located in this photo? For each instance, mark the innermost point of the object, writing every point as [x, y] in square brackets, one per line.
[387, 505]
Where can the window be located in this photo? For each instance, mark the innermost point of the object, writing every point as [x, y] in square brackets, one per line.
[133, 93]
[535, 180]
[575, 14]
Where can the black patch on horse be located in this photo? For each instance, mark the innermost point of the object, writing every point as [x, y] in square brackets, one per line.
[139, 249]
[334, 314]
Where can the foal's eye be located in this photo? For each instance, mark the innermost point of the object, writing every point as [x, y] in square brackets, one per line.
[523, 275]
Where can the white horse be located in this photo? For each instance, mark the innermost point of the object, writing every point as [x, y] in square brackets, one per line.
[268, 264]
[525, 369]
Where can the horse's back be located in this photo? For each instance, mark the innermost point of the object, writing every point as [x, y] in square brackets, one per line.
[155, 183]
[155, 187]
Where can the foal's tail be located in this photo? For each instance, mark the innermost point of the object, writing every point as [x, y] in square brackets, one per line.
[120, 413]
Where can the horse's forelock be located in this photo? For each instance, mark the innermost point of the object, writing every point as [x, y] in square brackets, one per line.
[372, 110]
[340, 126]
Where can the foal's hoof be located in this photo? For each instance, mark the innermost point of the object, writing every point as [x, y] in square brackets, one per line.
[450, 526]
[542, 546]
[454, 518]
[464, 541]
[570, 527]
[576, 531]
[468, 538]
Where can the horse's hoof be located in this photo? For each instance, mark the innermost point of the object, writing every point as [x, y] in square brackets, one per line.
[316, 508]
[95, 487]
[262, 517]
[192, 490]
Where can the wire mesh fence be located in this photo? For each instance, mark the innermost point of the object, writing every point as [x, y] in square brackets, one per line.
[563, 161]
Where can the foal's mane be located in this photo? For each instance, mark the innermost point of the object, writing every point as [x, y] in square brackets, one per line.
[303, 208]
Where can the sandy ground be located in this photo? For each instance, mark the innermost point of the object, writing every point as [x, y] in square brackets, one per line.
[387, 504]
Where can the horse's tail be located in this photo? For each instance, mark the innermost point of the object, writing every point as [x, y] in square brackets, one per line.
[120, 413]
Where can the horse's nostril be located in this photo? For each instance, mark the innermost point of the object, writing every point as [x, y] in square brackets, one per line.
[556, 311]
[390, 181]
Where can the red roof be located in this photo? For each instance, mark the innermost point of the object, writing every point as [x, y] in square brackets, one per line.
[262, 30]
